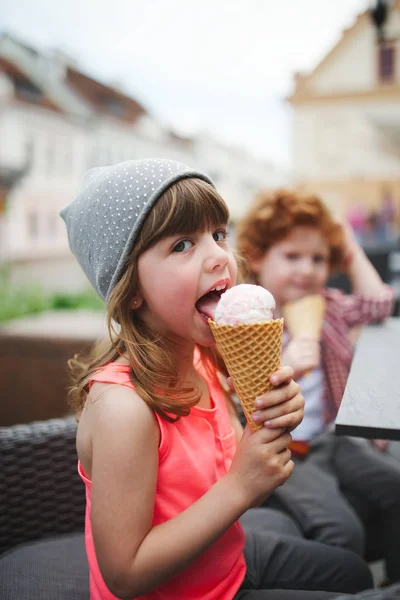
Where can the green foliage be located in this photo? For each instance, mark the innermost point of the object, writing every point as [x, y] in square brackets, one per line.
[87, 299]
[19, 301]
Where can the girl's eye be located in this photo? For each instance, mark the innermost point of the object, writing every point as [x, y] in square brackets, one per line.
[219, 236]
[292, 256]
[182, 246]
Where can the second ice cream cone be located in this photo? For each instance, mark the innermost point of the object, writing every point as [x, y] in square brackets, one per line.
[252, 353]
[304, 317]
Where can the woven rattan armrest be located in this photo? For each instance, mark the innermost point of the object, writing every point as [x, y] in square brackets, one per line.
[40, 491]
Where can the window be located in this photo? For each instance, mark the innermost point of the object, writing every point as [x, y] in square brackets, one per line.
[113, 107]
[386, 62]
[27, 90]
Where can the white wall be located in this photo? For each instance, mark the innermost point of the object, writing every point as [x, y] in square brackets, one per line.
[343, 139]
[353, 64]
[65, 145]
[58, 148]
[13, 153]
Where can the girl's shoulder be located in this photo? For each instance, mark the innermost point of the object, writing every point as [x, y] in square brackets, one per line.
[112, 408]
[113, 372]
[111, 386]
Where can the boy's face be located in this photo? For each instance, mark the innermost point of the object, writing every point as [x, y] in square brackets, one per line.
[294, 267]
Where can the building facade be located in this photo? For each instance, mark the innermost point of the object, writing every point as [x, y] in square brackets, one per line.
[56, 122]
[346, 122]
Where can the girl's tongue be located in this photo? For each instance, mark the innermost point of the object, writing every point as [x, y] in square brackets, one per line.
[207, 304]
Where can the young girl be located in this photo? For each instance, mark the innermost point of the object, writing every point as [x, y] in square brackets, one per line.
[165, 480]
[292, 245]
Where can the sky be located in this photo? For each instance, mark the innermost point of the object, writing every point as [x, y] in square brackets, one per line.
[223, 67]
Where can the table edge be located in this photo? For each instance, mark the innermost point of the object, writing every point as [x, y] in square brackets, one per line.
[368, 432]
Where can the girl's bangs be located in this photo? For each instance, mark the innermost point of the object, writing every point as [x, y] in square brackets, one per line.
[188, 206]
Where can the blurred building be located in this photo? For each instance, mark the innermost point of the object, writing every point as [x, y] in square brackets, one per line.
[346, 122]
[56, 122]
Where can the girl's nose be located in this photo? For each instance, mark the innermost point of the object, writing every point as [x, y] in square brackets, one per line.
[217, 258]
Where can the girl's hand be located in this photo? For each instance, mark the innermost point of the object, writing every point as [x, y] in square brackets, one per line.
[302, 354]
[282, 407]
[261, 464]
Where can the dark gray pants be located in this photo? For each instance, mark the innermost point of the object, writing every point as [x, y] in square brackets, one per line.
[394, 450]
[390, 593]
[285, 566]
[347, 494]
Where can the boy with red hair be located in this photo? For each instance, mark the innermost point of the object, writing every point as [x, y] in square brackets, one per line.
[292, 245]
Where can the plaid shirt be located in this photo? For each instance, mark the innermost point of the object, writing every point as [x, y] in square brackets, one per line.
[344, 311]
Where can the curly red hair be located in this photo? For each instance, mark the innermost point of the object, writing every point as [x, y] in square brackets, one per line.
[274, 214]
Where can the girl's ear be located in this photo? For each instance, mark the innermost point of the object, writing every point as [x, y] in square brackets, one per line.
[136, 303]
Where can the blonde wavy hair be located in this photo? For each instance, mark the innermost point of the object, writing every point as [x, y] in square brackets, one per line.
[189, 205]
[273, 215]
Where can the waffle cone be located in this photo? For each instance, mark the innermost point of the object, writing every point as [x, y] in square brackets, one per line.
[252, 352]
[304, 317]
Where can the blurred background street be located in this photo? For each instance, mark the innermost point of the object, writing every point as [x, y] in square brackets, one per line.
[256, 93]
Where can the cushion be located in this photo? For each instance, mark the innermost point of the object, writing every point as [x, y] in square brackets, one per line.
[49, 569]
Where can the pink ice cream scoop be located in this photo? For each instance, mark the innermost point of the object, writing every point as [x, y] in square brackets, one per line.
[245, 303]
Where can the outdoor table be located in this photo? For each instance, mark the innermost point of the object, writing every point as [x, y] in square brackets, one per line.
[371, 403]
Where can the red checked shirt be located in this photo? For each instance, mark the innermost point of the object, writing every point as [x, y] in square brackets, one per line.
[344, 311]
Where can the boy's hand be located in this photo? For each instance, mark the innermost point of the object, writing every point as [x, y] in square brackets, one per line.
[282, 407]
[351, 245]
[302, 354]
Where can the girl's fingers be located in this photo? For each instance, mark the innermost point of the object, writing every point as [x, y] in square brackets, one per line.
[285, 456]
[278, 396]
[280, 443]
[283, 375]
[297, 419]
[266, 436]
[289, 422]
[280, 410]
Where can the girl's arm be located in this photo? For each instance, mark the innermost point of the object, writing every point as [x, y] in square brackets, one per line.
[133, 556]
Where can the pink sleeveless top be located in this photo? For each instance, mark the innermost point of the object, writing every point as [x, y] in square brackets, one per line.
[194, 453]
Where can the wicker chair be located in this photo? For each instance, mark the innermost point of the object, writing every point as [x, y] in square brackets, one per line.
[42, 506]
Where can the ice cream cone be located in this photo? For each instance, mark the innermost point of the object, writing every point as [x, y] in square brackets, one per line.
[252, 353]
[304, 317]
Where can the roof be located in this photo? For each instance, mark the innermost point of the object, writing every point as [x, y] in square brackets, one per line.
[302, 89]
[25, 89]
[60, 85]
[103, 99]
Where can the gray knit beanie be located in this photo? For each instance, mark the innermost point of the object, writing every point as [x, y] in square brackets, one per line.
[105, 218]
